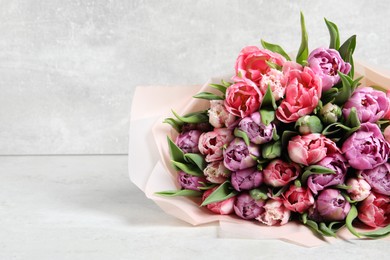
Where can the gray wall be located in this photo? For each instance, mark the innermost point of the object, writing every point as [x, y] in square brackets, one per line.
[68, 69]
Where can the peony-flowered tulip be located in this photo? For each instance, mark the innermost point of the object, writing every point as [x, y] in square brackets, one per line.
[327, 63]
[219, 117]
[190, 182]
[188, 141]
[374, 211]
[275, 213]
[298, 199]
[335, 162]
[366, 148]
[211, 143]
[216, 172]
[243, 98]
[370, 104]
[238, 155]
[303, 91]
[252, 63]
[248, 208]
[276, 81]
[246, 179]
[258, 133]
[332, 206]
[279, 173]
[378, 178]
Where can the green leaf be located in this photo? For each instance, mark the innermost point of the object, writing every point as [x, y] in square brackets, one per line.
[174, 193]
[345, 92]
[352, 214]
[225, 83]
[174, 123]
[219, 87]
[313, 226]
[342, 187]
[223, 192]
[275, 135]
[379, 233]
[326, 231]
[303, 51]
[338, 126]
[175, 152]
[193, 118]
[353, 118]
[275, 48]
[268, 100]
[347, 48]
[271, 150]
[208, 96]
[273, 65]
[242, 134]
[188, 168]
[329, 95]
[334, 35]
[346, 51]
[267, 116]
[315, 169]
[280, 191]
[196, 159]
[286, 136]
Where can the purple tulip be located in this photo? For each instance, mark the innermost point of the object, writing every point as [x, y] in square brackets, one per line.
[246, 179]
[366, 148]
[238, 155]
[326, 63]
[190, 182]
[332, 206]
[336, 162]
[257, 132]
[371, 105]
[378, 178]
[188, 141]
[248, 208]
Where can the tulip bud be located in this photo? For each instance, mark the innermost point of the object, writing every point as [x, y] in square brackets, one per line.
[359, 189]
[330, 113]
[271, 150]
[309, 125]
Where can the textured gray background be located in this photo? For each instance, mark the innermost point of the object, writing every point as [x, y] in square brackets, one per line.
[68, 69]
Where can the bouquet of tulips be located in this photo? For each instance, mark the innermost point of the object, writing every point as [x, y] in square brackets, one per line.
[290, 141]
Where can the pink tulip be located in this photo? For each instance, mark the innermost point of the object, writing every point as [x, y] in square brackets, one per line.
[275, 213]
[224, 207]
[298, 199]
[279, 173]
[216, 172]
[219, 117]
[276, 81]
[303, 91]
[251, 63]
[360, 189]
[211, 143]
[310, 149]
[243, 98]
[374, 211]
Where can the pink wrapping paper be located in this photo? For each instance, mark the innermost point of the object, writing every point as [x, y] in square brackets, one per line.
[158, 175]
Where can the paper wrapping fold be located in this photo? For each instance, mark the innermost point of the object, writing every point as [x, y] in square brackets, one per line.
[151, 171]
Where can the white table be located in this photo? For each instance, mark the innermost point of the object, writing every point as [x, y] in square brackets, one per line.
[85, 207]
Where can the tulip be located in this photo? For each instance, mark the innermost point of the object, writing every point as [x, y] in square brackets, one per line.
[335, 162]
[275, 80]
[374, 211]
[275, 213]
[378, 178]
[190, 182]
[330, 113]
[327, 63]
[224, 207]
[211, 143]
[219, 117]
[332, 206]
[248, 208]
[246, 179]
[258, 133]
[366, 148]
[359, 189]
[188, 141]
[238, 155]
[216, 172]
[298, 199]
[279, 173]
[371, 105]
[309, 125]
